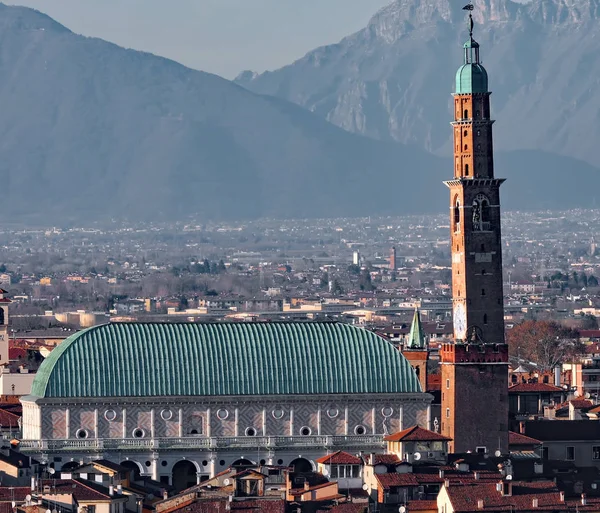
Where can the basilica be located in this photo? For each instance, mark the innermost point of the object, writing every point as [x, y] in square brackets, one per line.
[151, 395]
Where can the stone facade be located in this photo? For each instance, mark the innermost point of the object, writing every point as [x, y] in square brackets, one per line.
[213, 432]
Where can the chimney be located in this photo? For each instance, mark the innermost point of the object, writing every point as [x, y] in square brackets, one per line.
[372, 459]
[479, 503]
[506, 488]
[33, 484]
[111, 490]
[165, 495]
[447, 483]
[499, 486]
[535, 502]
[583, 499]
[476, 475]
[441, 474]
[306, 485]
[562, 496]
[119, 489]
[522, 428]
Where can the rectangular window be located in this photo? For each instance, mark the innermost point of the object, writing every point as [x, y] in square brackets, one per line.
[334, 471]
[91, 509]
[448, 384]
[447, 413]
[545, 454]
[570, 456]
[481, 450]
[596, 452]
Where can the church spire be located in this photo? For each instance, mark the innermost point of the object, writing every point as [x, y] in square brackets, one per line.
[416, 337]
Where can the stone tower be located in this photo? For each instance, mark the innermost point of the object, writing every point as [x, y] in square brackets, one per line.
[475, 366]
[4, 335]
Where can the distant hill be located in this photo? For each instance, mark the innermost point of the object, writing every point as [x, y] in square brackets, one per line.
[393, 79]
[92, 131]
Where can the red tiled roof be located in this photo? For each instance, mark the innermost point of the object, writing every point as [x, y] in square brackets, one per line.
[416, 434]
[350, 507]
[579, 404]
[519, 439]
[246, 506]
[533, 387]
[386, 459]
[340, 458]
[465, 498]
[423, 505]
[16, 353]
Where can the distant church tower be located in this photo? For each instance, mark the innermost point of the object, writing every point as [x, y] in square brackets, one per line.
[4, 302]
[475, 367]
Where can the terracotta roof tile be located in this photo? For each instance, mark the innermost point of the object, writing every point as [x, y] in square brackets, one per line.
[416, 434]
[533, 387]
[519, 439]
[340, 458]
[465, 498]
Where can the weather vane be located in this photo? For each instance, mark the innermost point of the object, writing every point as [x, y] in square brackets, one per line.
[469, 7]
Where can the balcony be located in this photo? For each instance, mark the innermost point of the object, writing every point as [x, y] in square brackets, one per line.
[199, 443]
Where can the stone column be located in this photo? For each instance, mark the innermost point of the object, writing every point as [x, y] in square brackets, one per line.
[180, 429]
[319, 413]
[67, 424]
[213, 464]
[374, 420]
[264, 421]
[96, 435]
[152, 432]
[236, 425]
[154, 466]
[208, 422]
[346, 420]
[124, 422]
[292, 421]
[428, 417]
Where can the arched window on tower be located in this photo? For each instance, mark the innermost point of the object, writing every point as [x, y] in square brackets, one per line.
[481, 213]
[484, 318]
[457, 215]
[466, 116]
[466, 169]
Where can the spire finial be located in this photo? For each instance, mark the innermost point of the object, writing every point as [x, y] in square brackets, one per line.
[469, 7]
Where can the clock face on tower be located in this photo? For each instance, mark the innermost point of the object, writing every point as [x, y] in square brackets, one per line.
[460, 322]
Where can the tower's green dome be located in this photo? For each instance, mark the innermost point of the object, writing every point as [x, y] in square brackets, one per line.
[471, 78]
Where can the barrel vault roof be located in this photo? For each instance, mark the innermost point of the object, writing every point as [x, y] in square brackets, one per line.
[162, 359]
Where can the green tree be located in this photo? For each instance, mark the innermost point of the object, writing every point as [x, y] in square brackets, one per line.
[592, 281]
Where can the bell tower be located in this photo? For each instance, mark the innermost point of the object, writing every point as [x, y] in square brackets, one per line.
[475, 366]
[4, 335]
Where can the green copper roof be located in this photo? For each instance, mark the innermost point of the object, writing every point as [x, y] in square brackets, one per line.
[416, 337]
[471, 78]
[141, 360]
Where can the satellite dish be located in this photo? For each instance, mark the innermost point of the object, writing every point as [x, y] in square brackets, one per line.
[576, 393]
[51, 471]
[588, 395]
[498, 453]
[226, 482]
[402, 509]
[325, 472]
[417, 456]
[365, 487]
[48, 511]
[509, 477]
[28, 497]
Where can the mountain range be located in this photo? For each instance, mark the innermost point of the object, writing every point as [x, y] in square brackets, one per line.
[91, 131]
[393, 79]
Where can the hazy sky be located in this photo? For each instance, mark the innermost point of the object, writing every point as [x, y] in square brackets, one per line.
[220, 36]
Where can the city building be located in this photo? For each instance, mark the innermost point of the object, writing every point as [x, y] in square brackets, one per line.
[160, 398]
[475, 366]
